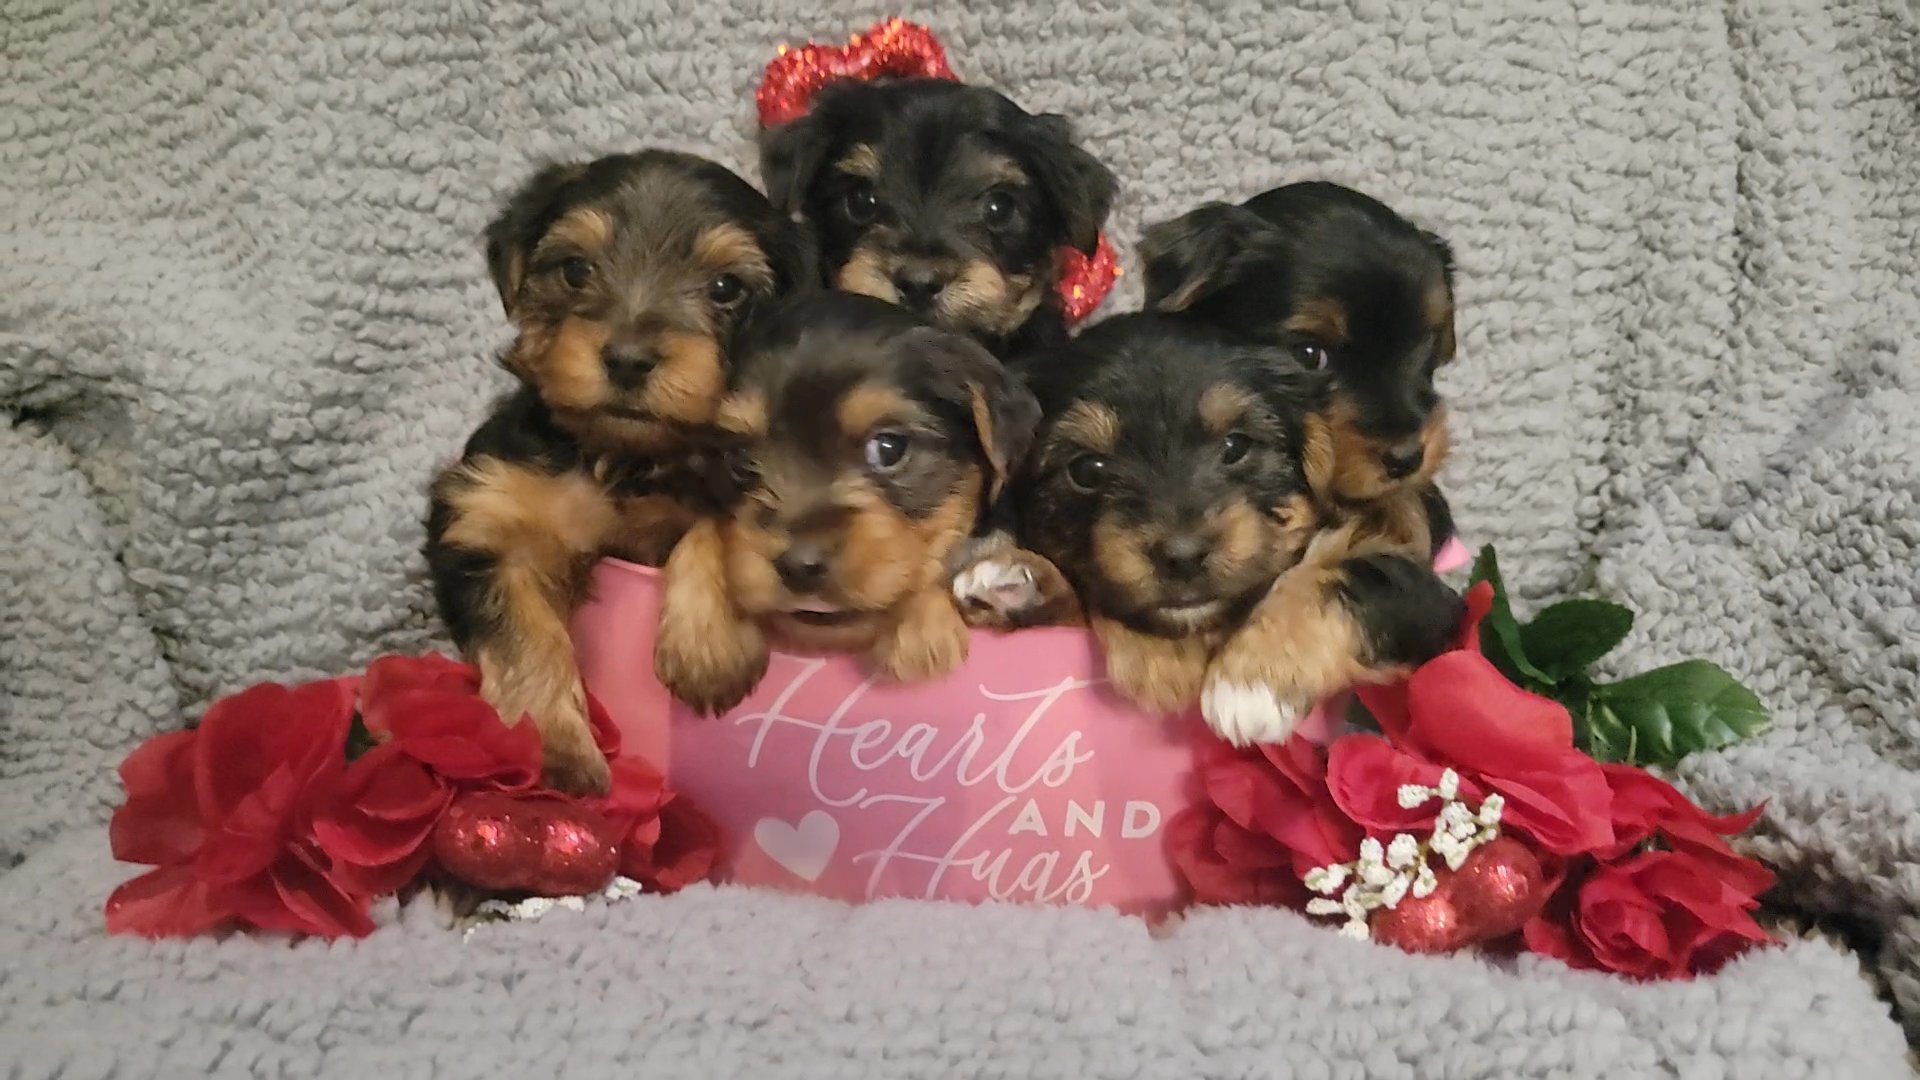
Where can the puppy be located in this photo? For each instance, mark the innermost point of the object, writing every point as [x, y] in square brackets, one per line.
[1173, 483]
[870, 442]
[946, 198]
[625, 279]
[1348, 287]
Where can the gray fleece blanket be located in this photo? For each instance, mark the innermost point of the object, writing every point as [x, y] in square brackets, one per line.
[243, 316]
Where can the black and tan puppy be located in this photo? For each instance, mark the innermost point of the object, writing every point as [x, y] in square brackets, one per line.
[1349, 287]
[1173, 482]
[625, 278]
[869, 444]
[946, 198]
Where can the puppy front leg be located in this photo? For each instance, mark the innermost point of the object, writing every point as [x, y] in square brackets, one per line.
[509, 547]
[530, 671]
[1325, 627]
[928, 641]
[1160, 674]
[707, 653]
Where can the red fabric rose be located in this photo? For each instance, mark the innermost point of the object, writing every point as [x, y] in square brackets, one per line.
[436, 736]
[1280, 792]
[1459, 711]
[1223, 863]
[159, 825]
[377, 824]
[1646, 807]
[1661, 914]
[431, 706]
[254, 770]
[666, 843]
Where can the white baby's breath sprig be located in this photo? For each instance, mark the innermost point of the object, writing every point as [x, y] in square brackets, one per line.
[1383, 875]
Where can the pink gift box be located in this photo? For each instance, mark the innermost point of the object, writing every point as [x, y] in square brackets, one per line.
[1019, 777]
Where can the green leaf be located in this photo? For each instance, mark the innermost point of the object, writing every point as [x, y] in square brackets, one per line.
[1500, 632]
[1670, 712]
[1567, 637]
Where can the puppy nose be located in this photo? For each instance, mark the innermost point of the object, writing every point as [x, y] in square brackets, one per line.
[1181, 557]
[918, 285]
[1403, 460]
[628, 366]
[802, 567]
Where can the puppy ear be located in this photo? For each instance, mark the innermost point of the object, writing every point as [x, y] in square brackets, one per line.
[791, 157]
[1081, 189]
[1442, 249]
[1005, 413]
[1005, 417]
[1192, 256]
[512, 235]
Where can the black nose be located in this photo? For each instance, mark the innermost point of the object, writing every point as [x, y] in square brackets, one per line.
[802, 567]
[1181, 557]
[628, 366]
[918, 285]
[1403, 460]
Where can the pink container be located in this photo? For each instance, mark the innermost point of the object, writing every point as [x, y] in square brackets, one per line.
[1019, 777]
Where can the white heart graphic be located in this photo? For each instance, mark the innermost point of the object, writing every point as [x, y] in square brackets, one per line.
[805, 849]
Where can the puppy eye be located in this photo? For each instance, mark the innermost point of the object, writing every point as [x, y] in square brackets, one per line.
[998, 207]
[861, 204]
[886, 449]
[1314, 357]
[1234, 447]
[738, 462]
[576, 272]
[1088, 472]
[725, 290]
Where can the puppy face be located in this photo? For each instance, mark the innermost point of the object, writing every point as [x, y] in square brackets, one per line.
[625, 277]
[1351, 288]
[1171, 478]
[946, 198]
[869, 442]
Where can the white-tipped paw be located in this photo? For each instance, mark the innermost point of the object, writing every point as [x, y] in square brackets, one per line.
[1244, 714]
[999, 589]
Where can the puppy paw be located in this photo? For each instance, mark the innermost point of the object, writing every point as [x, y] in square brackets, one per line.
[1015, 588]
[570, 762]
[541, 687]
[712, 671]
[1161, 675]
[928, 643]
[1247, 713]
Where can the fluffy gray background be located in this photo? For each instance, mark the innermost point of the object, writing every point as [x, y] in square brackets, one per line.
[243, 316]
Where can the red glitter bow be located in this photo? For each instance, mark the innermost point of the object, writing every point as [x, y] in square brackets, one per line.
[895, 47]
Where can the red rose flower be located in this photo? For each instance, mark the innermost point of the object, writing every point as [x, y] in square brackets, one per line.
[683, 847]
[1646, 807]
[431, 707]
[266, 756]
[1661, 914]
[666, 843]
[225, 810]
[436, 734]
[1223, 863]
[382, 813]
[159, 825]
[1457, 710]
[1280, 791]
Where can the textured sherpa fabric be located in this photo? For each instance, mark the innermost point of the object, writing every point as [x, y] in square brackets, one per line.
[243, 316]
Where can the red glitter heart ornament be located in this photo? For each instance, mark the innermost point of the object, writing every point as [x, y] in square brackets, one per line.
[1492, 895]
[896, 48]
[542, 846]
